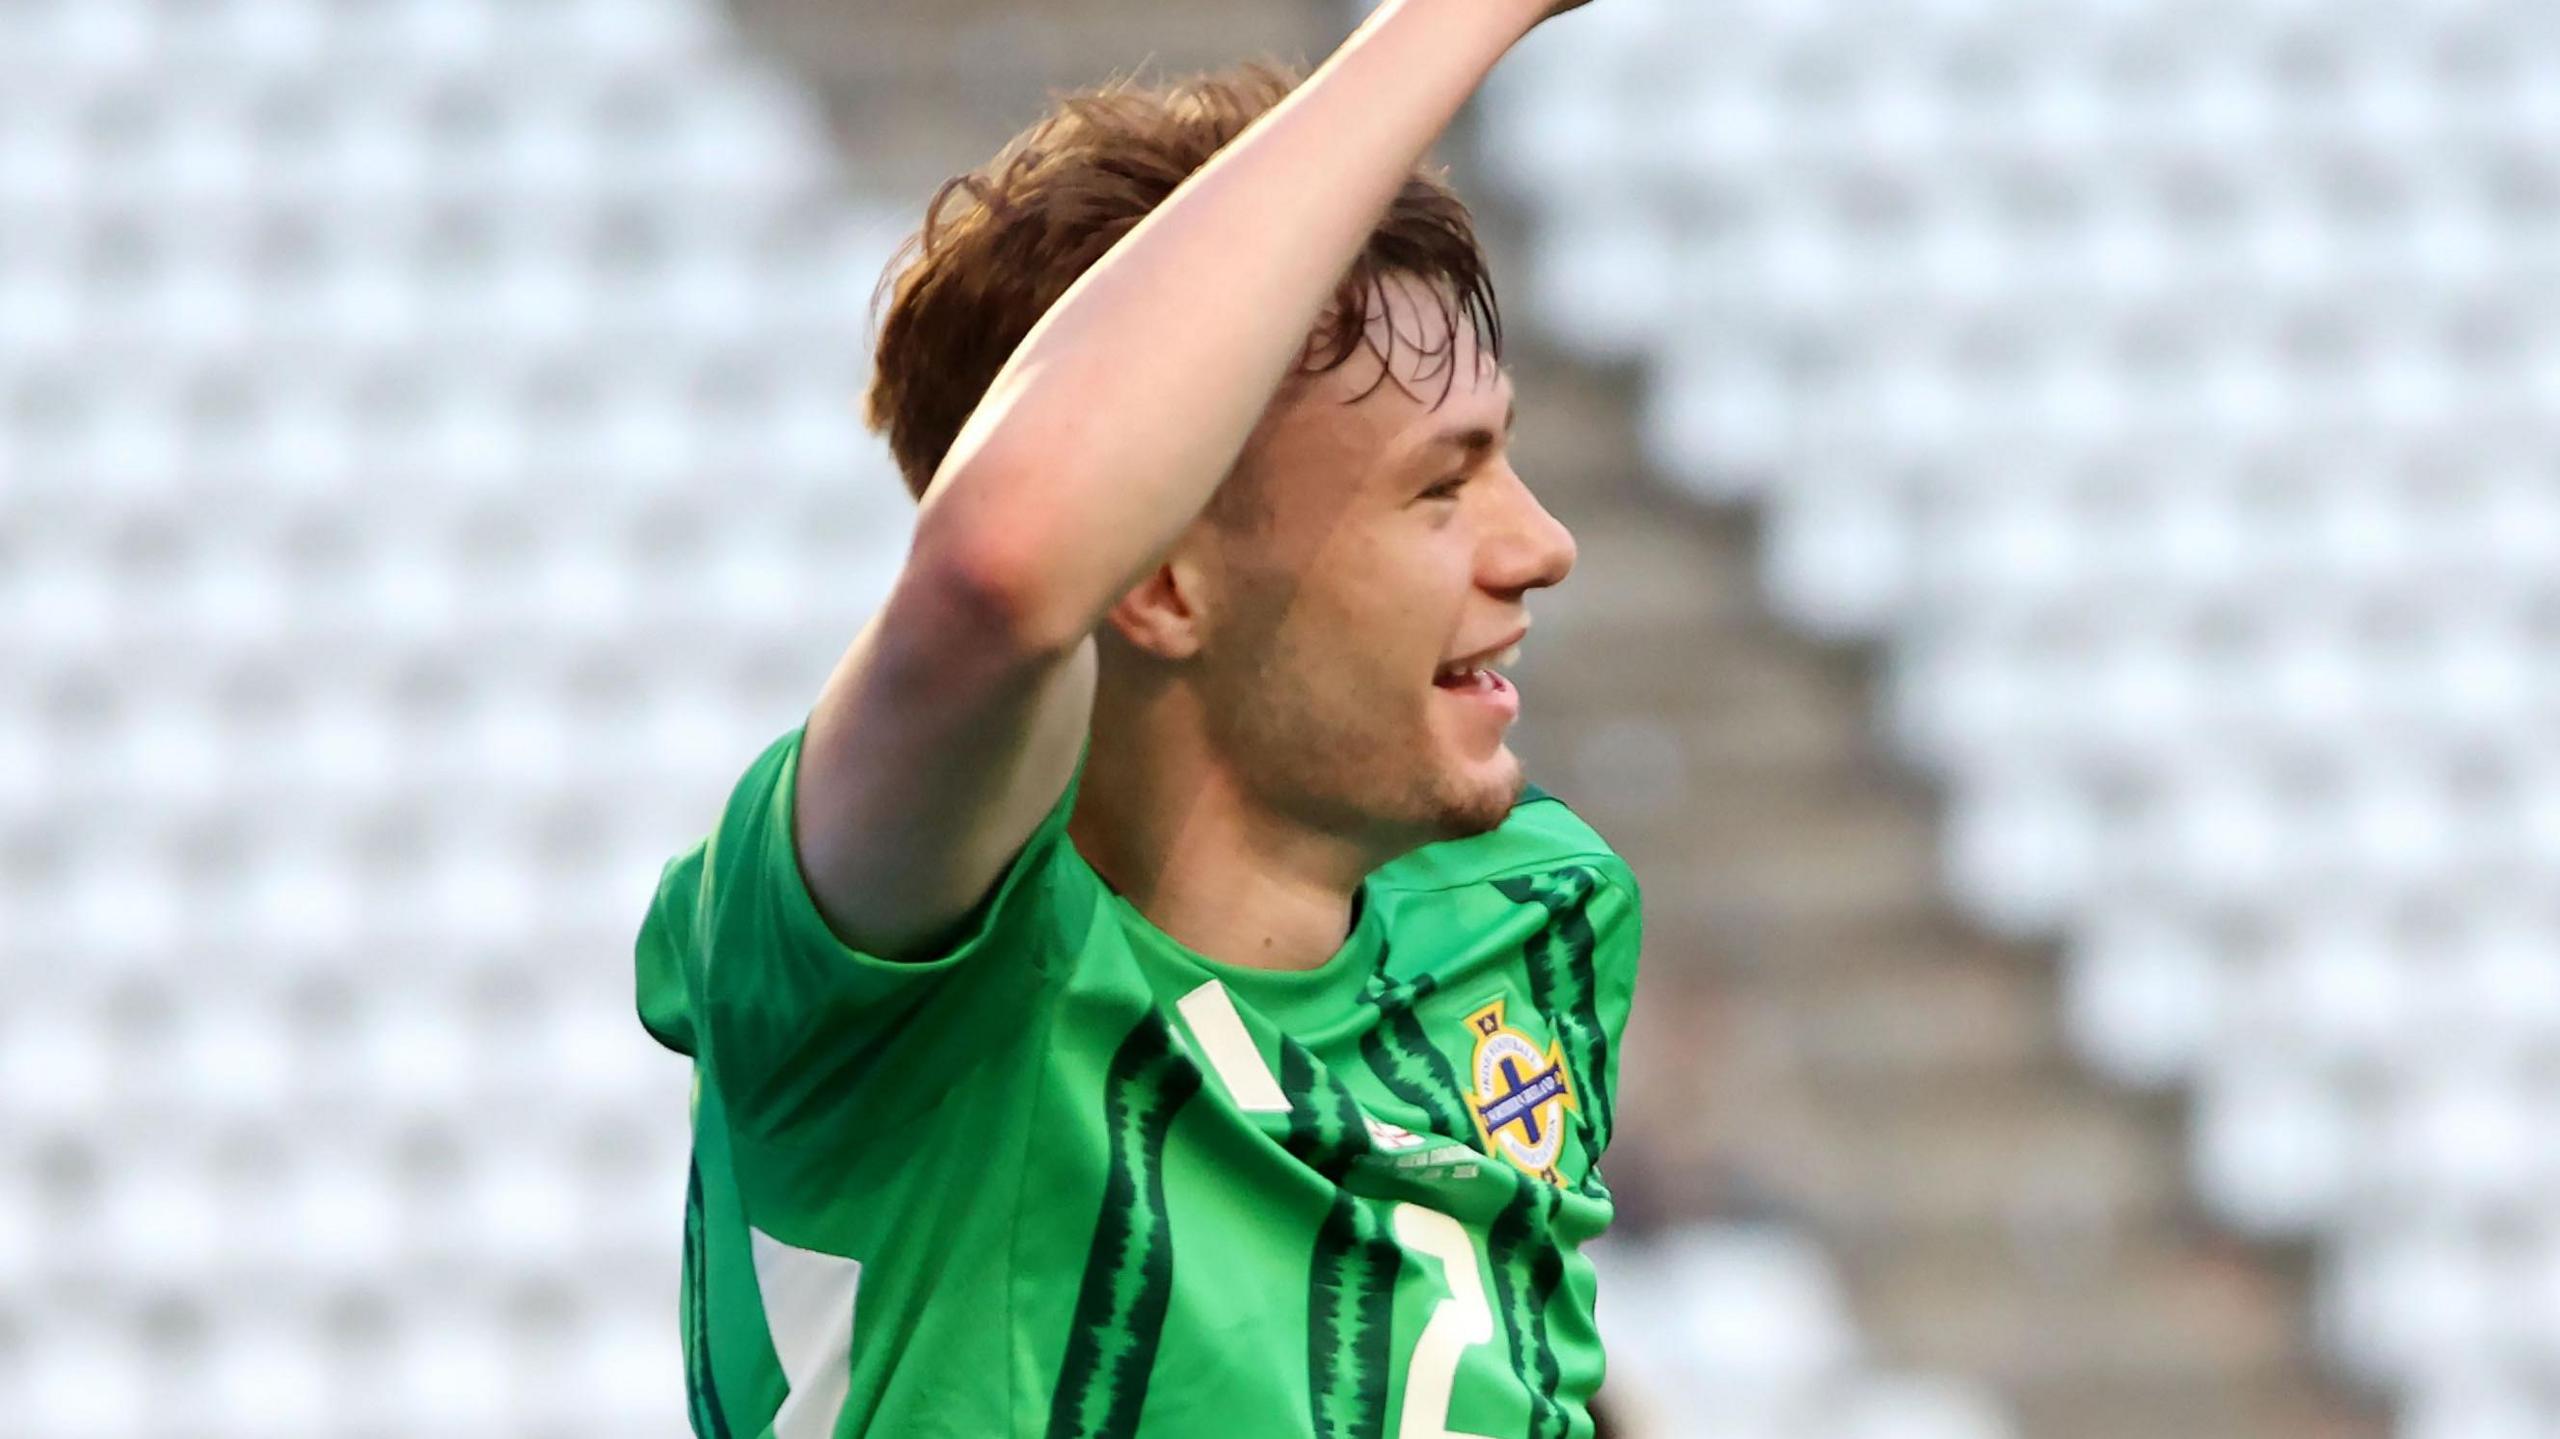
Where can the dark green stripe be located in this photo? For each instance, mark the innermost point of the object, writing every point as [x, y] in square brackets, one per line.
[1564, 985]
[1546, 1276]
[1325, 1130]
[1128, 1273]
[1350, 1321]
[1407, 1063]
[702, 1391]
[1523, 1238]
[1308, 1123]
[1351, 1274]
[1585, 1037]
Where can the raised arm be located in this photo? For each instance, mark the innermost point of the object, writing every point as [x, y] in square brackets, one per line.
[1105, 434]
[955, 720]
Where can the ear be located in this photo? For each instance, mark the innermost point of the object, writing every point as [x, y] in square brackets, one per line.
[1161, 615]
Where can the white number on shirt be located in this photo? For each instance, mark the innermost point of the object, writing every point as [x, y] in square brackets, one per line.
[1457, 1324]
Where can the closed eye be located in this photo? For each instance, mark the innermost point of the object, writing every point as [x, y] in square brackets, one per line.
[1447, 489]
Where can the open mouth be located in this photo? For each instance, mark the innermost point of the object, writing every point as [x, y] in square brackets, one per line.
[1477, 680]
[1478, 672]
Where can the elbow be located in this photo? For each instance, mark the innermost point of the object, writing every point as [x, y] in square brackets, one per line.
[996, 589]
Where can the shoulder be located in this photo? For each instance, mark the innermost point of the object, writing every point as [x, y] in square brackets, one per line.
[1541, 836]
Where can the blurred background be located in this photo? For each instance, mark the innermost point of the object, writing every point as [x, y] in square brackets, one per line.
[2071, 559]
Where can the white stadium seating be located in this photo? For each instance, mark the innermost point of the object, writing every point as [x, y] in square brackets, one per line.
[2172, 392]
[432, 467]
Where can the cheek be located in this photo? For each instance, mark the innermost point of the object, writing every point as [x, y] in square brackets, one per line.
[1415, 588]
[1348, 678]
[1361, 631]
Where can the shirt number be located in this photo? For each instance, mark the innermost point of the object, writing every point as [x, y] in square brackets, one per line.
[1457, 1324]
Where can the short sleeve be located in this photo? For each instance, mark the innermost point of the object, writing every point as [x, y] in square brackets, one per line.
[804, 1027]
[668, 938]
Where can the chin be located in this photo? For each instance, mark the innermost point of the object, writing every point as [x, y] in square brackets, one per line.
[1477, 796]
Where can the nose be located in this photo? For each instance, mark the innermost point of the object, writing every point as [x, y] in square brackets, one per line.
[1533, 549]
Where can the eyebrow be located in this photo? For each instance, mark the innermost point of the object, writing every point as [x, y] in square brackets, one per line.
[1476, 440]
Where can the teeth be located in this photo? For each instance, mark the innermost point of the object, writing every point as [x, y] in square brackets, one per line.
[1504, 660]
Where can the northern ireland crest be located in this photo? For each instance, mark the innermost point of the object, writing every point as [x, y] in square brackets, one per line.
[1521, 1093]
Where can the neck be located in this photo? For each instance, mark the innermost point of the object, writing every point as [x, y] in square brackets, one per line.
[1167, 827]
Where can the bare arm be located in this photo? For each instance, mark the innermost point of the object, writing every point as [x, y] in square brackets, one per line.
[934, 750]
[1106, 433]
[955, 720]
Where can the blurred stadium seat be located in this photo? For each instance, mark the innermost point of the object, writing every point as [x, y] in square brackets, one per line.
[432, 466]
[1727, 1331]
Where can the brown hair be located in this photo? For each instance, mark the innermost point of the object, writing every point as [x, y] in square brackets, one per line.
[1001, 244]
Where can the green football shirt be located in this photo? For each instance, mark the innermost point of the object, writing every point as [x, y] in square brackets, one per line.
[1071, 1180]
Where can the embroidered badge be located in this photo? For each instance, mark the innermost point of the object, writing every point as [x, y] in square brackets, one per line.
[1521, 1094]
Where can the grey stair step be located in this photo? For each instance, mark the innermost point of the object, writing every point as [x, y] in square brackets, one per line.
[1889, 1018]
[2289, 1408]
[1954, 1154]
[1882, 1016]
[2164, 1317]
[1925, 934]
[1714, 1096]
[1797, 849]
[919, 90]
[992, 39]
[1677, 693]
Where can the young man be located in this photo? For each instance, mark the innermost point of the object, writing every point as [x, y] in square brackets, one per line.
[1145, 998]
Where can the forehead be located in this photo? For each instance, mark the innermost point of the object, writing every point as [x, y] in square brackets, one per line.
[1420, 370]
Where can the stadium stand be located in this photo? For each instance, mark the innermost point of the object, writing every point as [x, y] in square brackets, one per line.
[2169, 392]
[430, 467]
[431, 470]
